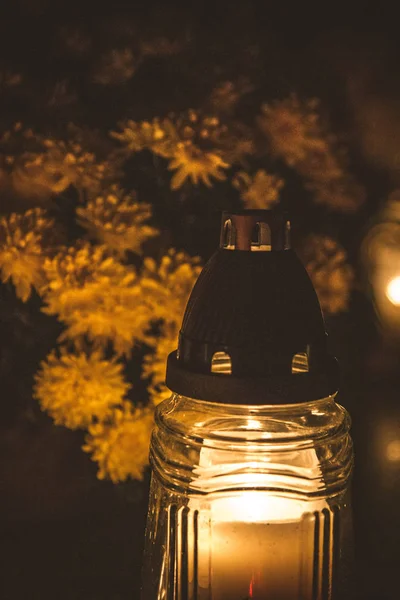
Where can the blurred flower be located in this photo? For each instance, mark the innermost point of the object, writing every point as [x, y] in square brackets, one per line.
[226, 95]
[199, 147]
[158, 136]
[258, 191]
[55, 165]
[10, 79]
[209, 144]
[192, 163]
[75, 41]
[96, 296]
[117, 221]
[292, 129]
[77, 388]
[343, 193]
[120, 446]
[154, 365]
[23, 242]
[41, 175]
[116, 67]
[296, 135]
[167, 287]
[332, 276]
[161, 136]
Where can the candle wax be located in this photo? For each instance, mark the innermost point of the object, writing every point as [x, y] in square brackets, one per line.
[262, 561]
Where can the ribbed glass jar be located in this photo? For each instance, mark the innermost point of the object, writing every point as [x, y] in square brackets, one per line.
[249, 502]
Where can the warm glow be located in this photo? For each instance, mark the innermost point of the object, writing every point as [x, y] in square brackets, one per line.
[393, 451]
[260, 507]
[253, 424]
[393, 291]
[259, 500]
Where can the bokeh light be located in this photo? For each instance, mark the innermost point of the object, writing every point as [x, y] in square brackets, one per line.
[393, 451]
[393, 291]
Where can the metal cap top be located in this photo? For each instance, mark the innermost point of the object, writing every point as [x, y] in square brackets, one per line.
[255, 230]
[253, 331]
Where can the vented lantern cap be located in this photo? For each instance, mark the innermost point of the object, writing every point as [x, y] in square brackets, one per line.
[253, 331]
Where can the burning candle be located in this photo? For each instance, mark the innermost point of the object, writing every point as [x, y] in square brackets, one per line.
[257, 546]
[251, 455]
[254, 543]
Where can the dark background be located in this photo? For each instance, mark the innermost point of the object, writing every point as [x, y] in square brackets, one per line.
[64, 534]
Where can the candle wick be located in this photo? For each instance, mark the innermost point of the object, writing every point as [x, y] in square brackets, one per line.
[251, 587]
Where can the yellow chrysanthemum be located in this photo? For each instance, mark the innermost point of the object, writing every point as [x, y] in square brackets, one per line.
[77, 388]
[22, 247]
[117, 221]
[167, 285]
[154, 365]
[121, 445]
[292, 128]
[198, 146]
[159, 136]
[260, 191]
[226, 95]
[52, 171]
[326, 262]
[192, 163]
[96, 296]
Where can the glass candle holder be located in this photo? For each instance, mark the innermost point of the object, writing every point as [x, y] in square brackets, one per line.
[249, 502]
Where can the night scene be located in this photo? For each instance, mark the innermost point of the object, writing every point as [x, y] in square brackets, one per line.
[199, 301]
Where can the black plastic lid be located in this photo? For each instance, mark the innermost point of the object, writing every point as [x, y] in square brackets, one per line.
[253, 331]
